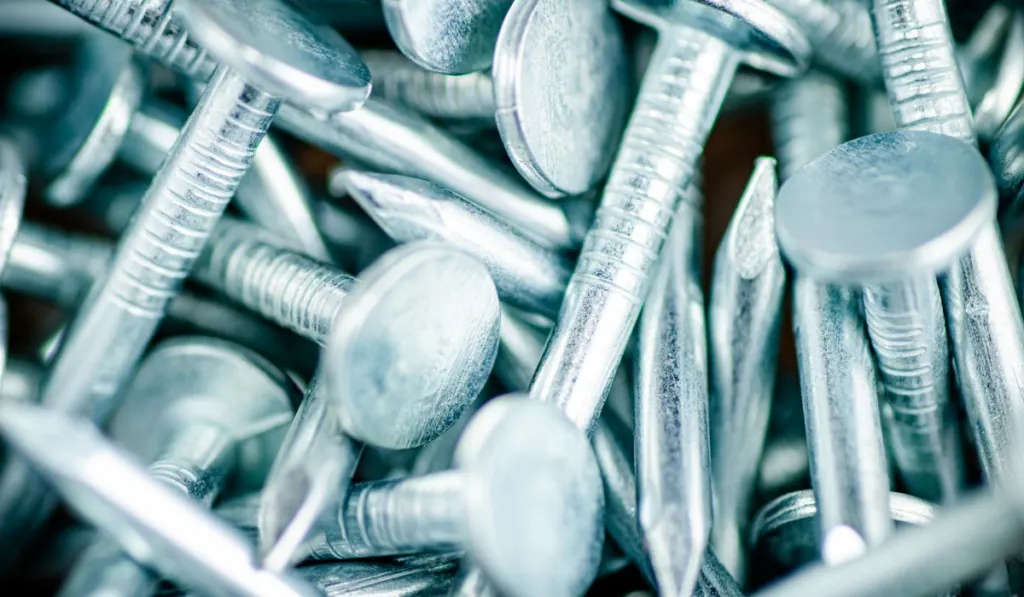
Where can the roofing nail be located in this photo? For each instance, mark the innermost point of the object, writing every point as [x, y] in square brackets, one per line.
[188, 195]
[1006, 157]
[469, 507]
[526, 275]
[672, 453]
[562, 93]
[446, 97]
[197, 411]
[679, 101]
[399, 305]
[747, 288]
[919, 68]
[454, 37]
[809, 116]
[913, 196]
[157, 525]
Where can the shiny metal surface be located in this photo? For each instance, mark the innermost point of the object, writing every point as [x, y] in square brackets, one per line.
[561, 92]
[744, 318]
[679, 101]
[454, 37]
[526, 275]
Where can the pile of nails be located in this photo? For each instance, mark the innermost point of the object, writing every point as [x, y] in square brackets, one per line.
[406, 297]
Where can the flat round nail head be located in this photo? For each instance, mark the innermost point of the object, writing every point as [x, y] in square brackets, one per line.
[194, 381]
[769, 39]
[274, 47]
[884, 207]
[108, 88]
[454, 37]
[562, 93]
[534, 498]
[413, 345]
[13, 187]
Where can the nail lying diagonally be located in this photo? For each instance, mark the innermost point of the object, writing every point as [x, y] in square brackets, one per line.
[154, 523]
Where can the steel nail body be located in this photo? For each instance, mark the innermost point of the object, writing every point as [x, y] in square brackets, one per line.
[679, 101]
[919, 68]
[672, 452]
[840, 33]
[849, 470]
[747, 288]
[433, 576]
[237, 415]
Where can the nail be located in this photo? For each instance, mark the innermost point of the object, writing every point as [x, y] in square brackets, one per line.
[919, 68]
[392, 139]
[453, 37]
[398, 80]
[784, 532]
[189, 194]
[849, 470]
[672, 453]
[913, 239]
[157, 525]
[966, 541]
[374, 332]
[526, 275]
[809, 116]
[456, 507]
[679, 100]
[20, 380]
[562, 93]
[840, 34]
[747, 288]
[614, 451]
[197, 411]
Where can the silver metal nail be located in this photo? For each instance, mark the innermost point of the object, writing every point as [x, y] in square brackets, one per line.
[678, 103]
[744, 317]
[403, 303]
[849, 470]
[380, 579]
[490, 503]
[672, 453]
[197, 411]
[446, 97]
[526, 275]
[992, 65]
[914, 196]
[157, 525]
